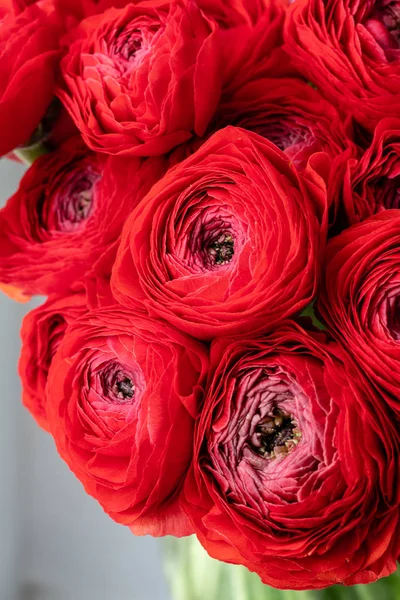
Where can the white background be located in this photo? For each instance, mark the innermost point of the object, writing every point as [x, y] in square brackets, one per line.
[55, 541]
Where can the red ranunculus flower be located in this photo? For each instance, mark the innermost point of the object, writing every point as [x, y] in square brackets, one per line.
[42, 331]
[295, 470]
[289, 113]
[29, 57]
[62, 217]
[350, 51]
[143, 78]
[372, 181]
[123, 395]
[227, 242]
[360, 298]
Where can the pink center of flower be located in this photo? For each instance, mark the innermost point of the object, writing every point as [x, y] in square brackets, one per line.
[275, 435]
[265, 426]
[76, 207]
[127, 44]
[131, 44]
[211, 243]
[264, 438]
[286, 136]
[272, 431]
[296, 140]
[118, 384]
[219, 250]
[112, 395]
[383, 23]
[70, 203]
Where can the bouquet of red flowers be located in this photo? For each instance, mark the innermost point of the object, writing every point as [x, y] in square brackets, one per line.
[213, 210]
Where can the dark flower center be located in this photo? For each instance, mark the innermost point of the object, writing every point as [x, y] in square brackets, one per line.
[119, 384]
[124, 388]
[222, 249]
[119, 387]
[275, 435]
[79, 207]
[286, 135]
[212, 241]
[383, 23]
[128, 44]
[389, 11]
[75, 202]
[393, 317]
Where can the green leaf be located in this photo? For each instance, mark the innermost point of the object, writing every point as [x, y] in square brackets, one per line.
[310, 312]
[29, 154]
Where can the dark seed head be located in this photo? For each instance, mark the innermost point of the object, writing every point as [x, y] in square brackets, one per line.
[222, 249]
[125, 388]
[277, 434]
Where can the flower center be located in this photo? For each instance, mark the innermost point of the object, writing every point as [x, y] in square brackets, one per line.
[393, 316]
[275, 435]
[286, 136]
[389, 11]
[74, 202]
[222, 249]
[131, 44]
[210, 242]
[383, 23]
[118, 385]
[80, 204]
[128, 43]
[124, 388]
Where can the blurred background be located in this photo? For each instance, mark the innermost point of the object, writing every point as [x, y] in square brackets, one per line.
[56, 543]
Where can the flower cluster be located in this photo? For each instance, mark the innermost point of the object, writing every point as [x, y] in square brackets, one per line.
[215, 219]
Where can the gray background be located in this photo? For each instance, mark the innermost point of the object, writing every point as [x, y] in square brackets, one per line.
[55, 541]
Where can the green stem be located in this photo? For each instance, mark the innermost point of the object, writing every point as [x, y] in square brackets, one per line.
[29, 154]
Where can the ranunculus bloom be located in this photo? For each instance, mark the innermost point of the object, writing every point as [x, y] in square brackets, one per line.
[371, 182]
[360, 297]
[295, 470]
[123, 395]
[42, 331]
[143, 78]
[62, 217]
[227, 242]
[350, 51]
[29, 56]
[289, 113]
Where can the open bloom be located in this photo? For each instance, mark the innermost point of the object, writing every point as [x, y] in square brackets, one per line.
[123, 395]
[350, 51]
[227, 242]
[371, 182]
[360, 297]
[61, 218]
[295, 470]
[144, 77]
[288, 112]
[42, 332]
